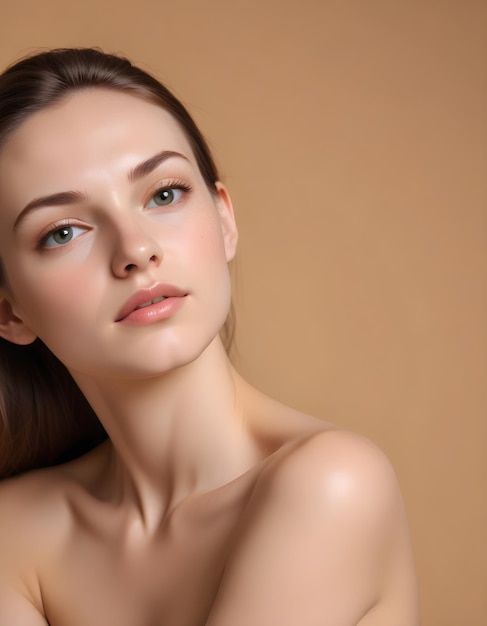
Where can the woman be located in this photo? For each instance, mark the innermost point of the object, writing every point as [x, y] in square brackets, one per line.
[208, 503]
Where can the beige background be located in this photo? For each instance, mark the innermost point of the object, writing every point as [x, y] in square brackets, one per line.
[353, 137]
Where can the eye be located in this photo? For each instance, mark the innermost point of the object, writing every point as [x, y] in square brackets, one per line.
[61, 236]
[166, 196]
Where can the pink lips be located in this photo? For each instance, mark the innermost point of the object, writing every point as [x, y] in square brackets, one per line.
[151, 305]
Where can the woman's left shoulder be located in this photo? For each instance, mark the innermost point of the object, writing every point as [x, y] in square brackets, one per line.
[324, 539]
[335, 471]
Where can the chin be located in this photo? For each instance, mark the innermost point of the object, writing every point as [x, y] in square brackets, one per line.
[167, 356]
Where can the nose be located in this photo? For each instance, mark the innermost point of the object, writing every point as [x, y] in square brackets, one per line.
[135, 250]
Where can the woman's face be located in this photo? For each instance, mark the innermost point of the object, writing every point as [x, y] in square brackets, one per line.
[102, 210]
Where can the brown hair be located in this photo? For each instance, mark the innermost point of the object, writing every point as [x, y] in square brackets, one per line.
[44, 417]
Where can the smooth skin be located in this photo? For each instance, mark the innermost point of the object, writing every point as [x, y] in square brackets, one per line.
[211, 504]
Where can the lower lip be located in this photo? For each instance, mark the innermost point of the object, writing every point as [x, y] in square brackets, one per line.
[154, 312]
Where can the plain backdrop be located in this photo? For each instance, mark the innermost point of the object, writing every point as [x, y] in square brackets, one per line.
[353, 139]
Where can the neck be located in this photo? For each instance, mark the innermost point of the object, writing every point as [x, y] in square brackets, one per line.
[175, 435]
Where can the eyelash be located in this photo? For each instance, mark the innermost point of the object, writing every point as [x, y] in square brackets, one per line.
[44, 236]
[168, 186]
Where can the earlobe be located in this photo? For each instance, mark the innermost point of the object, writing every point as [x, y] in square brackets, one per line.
[12, 328]
[227, 219]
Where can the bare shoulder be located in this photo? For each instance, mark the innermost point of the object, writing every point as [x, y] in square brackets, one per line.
[25, 499]
[340, 487]
[328, 473]
[31, 523]
[35, 524]
[334, 466]
[34, 517]
[33, 501]
[324, 540]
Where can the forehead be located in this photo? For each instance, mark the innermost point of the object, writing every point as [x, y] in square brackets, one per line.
[89, 131]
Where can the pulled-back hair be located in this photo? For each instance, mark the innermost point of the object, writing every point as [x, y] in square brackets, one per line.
[44, 417]
[36, 82]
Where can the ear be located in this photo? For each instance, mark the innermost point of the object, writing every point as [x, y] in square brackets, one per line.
[12, 327]
[227, 220]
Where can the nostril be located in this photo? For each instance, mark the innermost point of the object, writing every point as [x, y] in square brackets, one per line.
[153, 258]
[130, 267]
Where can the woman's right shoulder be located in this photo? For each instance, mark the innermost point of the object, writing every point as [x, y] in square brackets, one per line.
[36, 523]
[32, 526]
[36, 507]
[31, 507]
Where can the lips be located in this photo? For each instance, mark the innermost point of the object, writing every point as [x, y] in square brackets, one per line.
[154, 301]
[149, 297]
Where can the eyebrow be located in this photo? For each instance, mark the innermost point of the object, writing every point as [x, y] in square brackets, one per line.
[72, 197]
[55, 199]
[146, 167]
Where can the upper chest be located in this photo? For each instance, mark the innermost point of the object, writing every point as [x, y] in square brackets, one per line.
[99, 574]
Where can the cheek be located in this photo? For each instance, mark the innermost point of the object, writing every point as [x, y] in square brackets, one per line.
[206, 265]
[53, 299]
[206, 242]
[62, 310]
[49, 310]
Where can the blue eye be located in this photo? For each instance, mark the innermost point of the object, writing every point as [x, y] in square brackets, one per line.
[166, 196]
[61, 236]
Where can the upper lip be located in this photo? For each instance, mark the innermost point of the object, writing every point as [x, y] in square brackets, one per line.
[144, 296]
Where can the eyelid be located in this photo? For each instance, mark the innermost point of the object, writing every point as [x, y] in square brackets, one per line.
[44, 235]
[170, 183]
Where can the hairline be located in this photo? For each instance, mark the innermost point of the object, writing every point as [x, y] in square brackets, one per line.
[136, 91]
